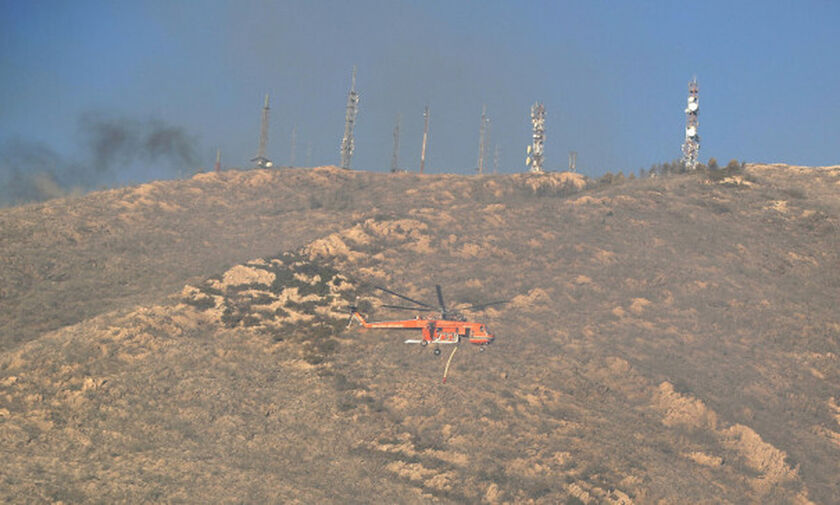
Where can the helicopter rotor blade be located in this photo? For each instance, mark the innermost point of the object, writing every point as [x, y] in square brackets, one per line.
[440, 298]
[400, 307]
[403, 297]
[482, 305]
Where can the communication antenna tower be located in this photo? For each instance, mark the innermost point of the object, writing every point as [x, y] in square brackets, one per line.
[293, 146]
[691, 146]
[395, 157]
[425, 139]
[218, 166]
[483, 131]
[572, 161]
[261, 161]
[347, 142]
[535, 150]
[309, 154]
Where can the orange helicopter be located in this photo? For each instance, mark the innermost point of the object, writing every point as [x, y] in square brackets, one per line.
[450, 327]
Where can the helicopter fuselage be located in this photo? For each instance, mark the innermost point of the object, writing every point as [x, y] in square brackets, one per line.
[437, 331]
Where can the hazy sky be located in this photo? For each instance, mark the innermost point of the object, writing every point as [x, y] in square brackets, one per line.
[613, 77]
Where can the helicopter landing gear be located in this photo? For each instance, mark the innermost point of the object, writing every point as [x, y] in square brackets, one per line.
[437, 351]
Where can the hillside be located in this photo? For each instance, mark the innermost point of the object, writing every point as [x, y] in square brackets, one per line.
[668, 340]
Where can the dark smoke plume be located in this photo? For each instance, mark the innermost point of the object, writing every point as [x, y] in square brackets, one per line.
[120, 141]
[33, 172]
[171, 143]
[109, 140]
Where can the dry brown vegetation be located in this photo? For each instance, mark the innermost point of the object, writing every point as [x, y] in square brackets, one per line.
[668, 340]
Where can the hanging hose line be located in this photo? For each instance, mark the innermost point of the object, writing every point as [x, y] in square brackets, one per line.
[446, 370]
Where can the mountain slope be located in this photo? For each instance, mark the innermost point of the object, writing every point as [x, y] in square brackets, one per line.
[668, 340]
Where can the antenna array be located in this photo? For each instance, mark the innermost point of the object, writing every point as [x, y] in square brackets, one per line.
[483, 132]
[691, 146]
[425, 139]
[395, 157]
[293, 146]
[535, 150]
[261, 161]
[348, 144]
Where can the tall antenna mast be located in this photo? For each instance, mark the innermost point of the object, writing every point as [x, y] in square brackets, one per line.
[348, 144]
[261, 161]
[309, 154]
[218, 166]
[292, 151]
[691, 146]
[395, 157]
[425, 139]
[572, 161]
[482, 138]
[535, 150]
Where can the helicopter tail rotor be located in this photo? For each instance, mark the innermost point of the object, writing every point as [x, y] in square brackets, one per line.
[353, 309]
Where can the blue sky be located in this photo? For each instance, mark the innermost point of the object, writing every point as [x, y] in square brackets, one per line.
[613, 77]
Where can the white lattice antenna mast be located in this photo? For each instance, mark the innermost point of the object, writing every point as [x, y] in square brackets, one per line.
[395, 156]
[218, 166]
[535, 150]
[691, 146]
[572, 161]
[261, 161]
[426, 116]
[348, 143]
[293, 147]
[483, 131]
